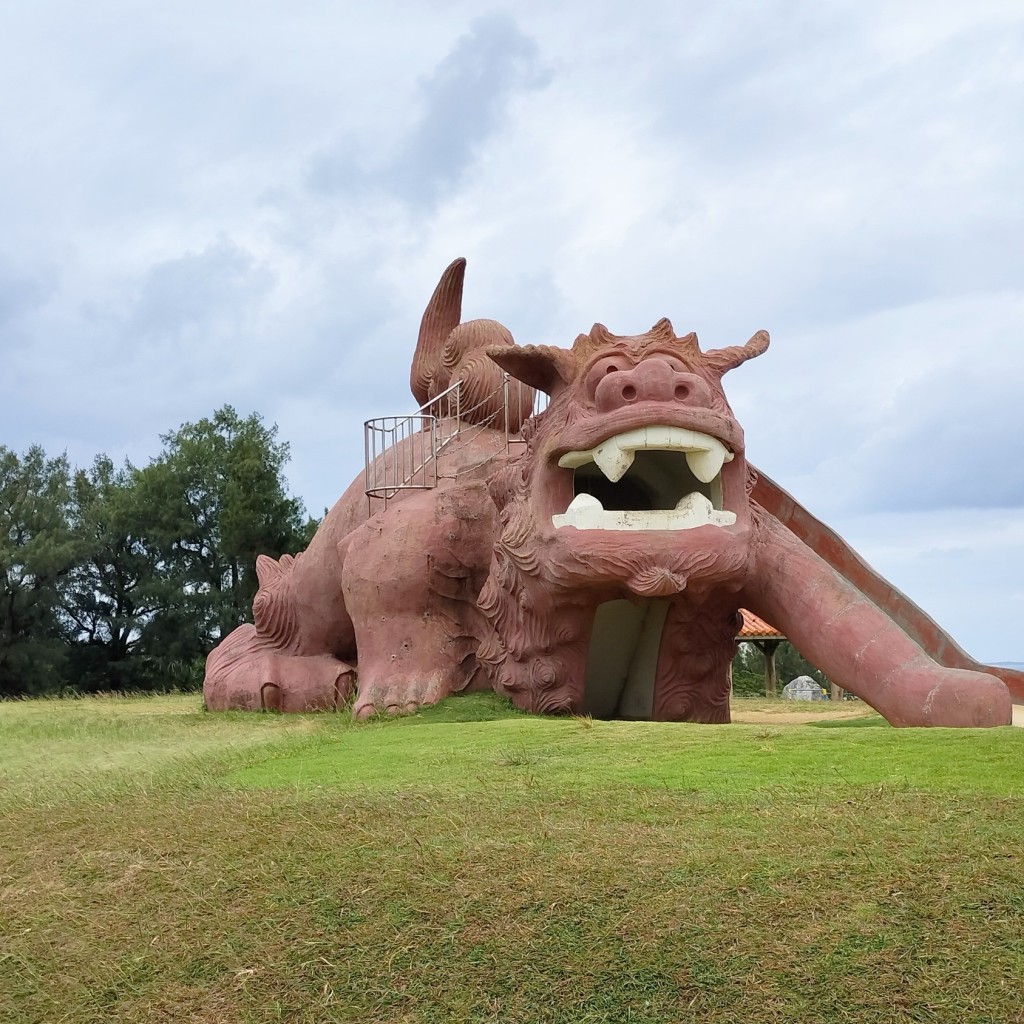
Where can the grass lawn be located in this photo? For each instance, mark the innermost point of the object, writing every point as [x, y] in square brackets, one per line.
[471, 863]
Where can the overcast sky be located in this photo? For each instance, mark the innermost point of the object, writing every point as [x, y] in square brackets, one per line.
[233, 201]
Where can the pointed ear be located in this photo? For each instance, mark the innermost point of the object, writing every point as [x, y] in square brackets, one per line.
[721, 360]
[544, 367]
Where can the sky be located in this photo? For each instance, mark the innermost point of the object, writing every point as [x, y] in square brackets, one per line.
[247, 202]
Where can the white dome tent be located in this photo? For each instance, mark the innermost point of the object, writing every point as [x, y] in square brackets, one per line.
[803, 688]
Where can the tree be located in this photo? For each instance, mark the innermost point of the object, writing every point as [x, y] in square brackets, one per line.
[38, 551]
[215, 499]
[125, 578]
[748, 669]
[118, 586]
[789, 664]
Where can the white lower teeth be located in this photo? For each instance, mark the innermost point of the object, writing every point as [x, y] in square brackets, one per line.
[587, 513]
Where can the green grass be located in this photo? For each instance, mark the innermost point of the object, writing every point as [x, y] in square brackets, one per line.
[474, 864]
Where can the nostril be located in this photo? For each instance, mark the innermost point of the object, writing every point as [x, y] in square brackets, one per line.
[682, 391]
[629, 392]
[611, 369]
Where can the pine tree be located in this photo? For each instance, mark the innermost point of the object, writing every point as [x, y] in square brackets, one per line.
[38, 551]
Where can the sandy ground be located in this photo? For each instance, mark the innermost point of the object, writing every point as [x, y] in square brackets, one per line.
[800, 717]
[753, 717]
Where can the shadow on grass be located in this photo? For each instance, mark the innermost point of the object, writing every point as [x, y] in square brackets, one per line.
[872, 722]
[470, 707]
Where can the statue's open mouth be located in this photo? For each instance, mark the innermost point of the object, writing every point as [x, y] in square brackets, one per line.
[649, 478]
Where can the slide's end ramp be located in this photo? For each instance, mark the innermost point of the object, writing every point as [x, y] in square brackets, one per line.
[915, 622]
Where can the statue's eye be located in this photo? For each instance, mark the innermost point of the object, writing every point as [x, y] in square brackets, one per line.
[603, 369]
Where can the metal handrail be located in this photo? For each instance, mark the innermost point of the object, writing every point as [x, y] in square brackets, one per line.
[401, 451]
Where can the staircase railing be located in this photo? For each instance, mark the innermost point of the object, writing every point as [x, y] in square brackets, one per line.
[401, 451]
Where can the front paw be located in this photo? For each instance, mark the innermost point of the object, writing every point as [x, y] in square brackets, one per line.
[397, 696]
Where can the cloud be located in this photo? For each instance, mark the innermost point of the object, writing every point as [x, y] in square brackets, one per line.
[959, 568]
[959, 450]
[463, 103]
[465, 100]
[913, 408]
[21, 293]
[200, 295]
[213, 202]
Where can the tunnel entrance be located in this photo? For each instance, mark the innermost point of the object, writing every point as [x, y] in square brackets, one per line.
[655, 480]
[622, 659]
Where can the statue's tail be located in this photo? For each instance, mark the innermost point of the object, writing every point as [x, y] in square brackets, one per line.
[448, 351]
[916, 623]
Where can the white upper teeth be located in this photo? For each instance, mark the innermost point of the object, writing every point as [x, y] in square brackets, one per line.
[705, 455]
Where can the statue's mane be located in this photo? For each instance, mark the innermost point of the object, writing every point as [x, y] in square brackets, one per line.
[525, 638]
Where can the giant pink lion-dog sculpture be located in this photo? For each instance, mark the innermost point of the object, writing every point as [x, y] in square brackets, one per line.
[597, 564]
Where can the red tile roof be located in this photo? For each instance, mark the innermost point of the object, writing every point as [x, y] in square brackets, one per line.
[754, 628]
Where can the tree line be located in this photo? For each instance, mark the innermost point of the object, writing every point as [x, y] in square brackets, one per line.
[124, 578]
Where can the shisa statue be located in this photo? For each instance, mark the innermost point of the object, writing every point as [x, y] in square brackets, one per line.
[591, 558]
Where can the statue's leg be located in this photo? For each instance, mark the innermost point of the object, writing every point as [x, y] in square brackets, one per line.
[246, 673]
[410, 652]
[692, 683]
[410, 583]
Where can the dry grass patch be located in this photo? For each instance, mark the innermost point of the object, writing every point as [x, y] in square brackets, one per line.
[556, 871]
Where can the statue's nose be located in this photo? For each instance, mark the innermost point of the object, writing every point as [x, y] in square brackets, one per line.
[652, 380]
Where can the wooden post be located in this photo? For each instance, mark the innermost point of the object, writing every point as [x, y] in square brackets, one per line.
[837, 691]
[768, 649]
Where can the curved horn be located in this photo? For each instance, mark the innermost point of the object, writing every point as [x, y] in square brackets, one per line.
[721, 360]
[442, 316]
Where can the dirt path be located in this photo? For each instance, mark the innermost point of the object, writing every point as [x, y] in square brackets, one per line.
[787, 717]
